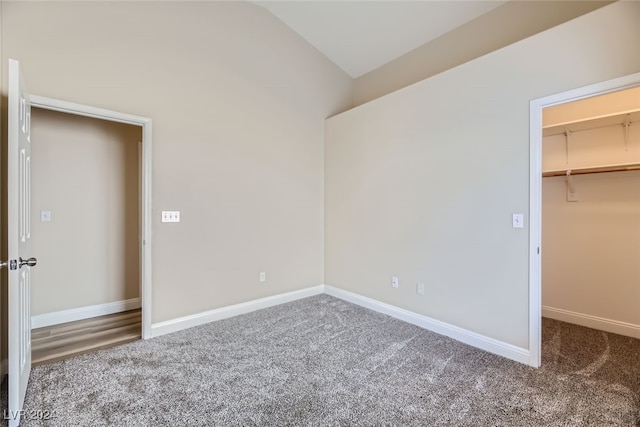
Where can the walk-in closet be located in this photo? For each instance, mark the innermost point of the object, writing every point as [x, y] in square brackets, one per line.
[591, 213]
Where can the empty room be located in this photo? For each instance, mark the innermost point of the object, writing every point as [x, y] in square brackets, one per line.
[320, 213]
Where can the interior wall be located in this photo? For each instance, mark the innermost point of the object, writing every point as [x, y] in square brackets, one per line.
[507, 24]
[238, 103]
[85, 172]
[422, 183]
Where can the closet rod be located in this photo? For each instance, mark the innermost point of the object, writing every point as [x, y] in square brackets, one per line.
[598, 169]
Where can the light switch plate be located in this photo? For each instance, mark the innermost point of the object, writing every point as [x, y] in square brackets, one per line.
[170, 216]
[518, 220]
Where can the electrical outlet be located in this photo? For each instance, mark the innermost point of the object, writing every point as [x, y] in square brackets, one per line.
[420, 288]
[45, 216]
[263, 276]
[395, 282]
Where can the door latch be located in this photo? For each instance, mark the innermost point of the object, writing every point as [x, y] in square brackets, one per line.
[30, 262]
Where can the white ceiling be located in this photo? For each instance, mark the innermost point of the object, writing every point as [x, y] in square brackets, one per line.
[360, 35]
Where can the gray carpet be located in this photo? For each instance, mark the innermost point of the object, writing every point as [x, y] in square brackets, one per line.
[322, 361]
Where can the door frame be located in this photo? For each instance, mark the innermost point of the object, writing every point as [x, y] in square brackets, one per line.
[535, 195]
[145, 195]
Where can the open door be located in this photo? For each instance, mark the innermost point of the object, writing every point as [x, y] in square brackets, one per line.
[19, 241]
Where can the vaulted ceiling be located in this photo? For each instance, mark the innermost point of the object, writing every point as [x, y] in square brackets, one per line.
[360, 36]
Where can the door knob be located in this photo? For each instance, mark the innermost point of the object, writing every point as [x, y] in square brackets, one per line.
[31, 262]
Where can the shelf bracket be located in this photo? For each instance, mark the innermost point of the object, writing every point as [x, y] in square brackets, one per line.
[571, 189]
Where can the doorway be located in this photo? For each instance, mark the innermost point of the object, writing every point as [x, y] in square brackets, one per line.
[535, 213]
[140, 204]
[85, 222]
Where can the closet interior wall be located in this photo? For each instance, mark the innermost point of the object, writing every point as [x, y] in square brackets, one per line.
[591, 221]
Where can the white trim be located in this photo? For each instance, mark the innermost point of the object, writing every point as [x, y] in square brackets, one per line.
[85, 110]
[145, 214]
[474, 339]
[4, 368]
[198, 319]
[146, 164]
[535, 236]
[81, 313]
[600, 323]
[535, 195]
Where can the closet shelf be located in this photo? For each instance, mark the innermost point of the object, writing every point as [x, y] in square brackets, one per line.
[631, 117]
[593, 169]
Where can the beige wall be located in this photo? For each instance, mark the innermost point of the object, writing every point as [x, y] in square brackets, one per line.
[422, 183]
[237, 101]
[501, 27]
[85, 172]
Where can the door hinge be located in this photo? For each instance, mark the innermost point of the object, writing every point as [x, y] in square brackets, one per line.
[538, 250]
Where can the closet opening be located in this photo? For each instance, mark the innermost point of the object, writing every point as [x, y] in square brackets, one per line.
[585, 222]
[591, 221]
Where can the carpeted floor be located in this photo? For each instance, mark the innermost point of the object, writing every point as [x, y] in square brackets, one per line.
[322, 361]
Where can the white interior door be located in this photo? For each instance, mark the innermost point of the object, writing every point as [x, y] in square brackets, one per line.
[19, 241]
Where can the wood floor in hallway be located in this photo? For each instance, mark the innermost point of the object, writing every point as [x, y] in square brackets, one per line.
[57, 342]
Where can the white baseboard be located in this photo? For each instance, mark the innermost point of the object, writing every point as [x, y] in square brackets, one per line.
[4, 368]
[185, 322]
[474, 339]
[600, 323]
[81, 313]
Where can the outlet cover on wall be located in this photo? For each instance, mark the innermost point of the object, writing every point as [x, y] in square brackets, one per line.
[45, 216]
[395, 282]
[420, 288]
[263, 276]
[170, 216]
